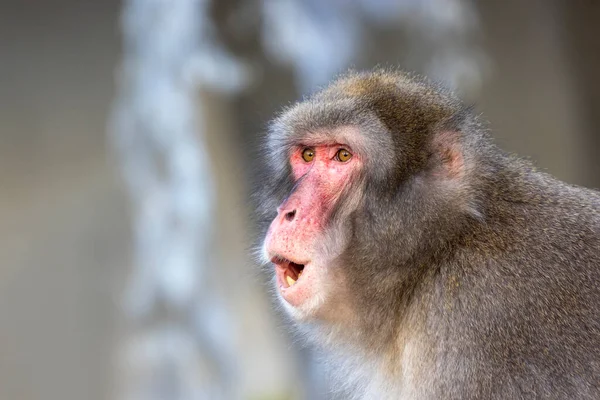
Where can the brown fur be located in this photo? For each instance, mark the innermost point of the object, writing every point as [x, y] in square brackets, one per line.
[468, 273]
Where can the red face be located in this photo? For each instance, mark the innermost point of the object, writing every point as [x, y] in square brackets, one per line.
[296, 238]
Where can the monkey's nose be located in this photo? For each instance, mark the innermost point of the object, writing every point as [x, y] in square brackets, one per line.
[289, 216]
[286, 213]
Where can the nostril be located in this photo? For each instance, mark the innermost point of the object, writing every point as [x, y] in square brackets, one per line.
[289, 216]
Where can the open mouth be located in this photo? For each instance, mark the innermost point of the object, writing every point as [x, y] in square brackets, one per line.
[288, 272]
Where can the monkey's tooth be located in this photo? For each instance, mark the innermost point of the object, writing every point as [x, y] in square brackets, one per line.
[290, 280]
[300, 273]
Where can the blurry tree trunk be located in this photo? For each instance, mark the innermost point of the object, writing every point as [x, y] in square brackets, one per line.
[179, 335]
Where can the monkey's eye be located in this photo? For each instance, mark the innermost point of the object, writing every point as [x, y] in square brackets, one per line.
[343, 155]
[308, 154]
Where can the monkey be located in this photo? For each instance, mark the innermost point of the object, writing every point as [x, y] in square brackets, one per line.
[420, 258]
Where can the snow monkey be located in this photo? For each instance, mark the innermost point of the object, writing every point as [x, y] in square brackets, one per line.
[426, 262]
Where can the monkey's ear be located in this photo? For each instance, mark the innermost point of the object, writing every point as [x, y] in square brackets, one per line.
[447, 155]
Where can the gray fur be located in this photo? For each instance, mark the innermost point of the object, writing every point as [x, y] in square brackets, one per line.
[484, 285]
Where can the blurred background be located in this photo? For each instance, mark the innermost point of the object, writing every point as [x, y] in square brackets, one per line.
[126, 131]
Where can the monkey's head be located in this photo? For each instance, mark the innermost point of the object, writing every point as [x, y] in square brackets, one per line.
[358, 177]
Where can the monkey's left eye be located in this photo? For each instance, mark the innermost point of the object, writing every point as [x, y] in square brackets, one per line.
[343, 155]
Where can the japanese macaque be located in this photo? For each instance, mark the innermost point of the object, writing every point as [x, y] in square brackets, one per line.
[423, 260]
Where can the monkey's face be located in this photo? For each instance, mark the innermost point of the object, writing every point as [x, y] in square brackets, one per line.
[309, 231]
[351, 174]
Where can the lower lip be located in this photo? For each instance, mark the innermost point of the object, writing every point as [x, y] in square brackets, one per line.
[296, 293]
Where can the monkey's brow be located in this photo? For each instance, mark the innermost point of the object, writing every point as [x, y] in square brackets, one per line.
[323, 137]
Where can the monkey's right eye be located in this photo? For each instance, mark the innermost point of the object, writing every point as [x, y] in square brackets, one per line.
[308, 154]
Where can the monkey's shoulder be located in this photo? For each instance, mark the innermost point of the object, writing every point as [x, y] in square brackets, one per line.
[542, 234]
